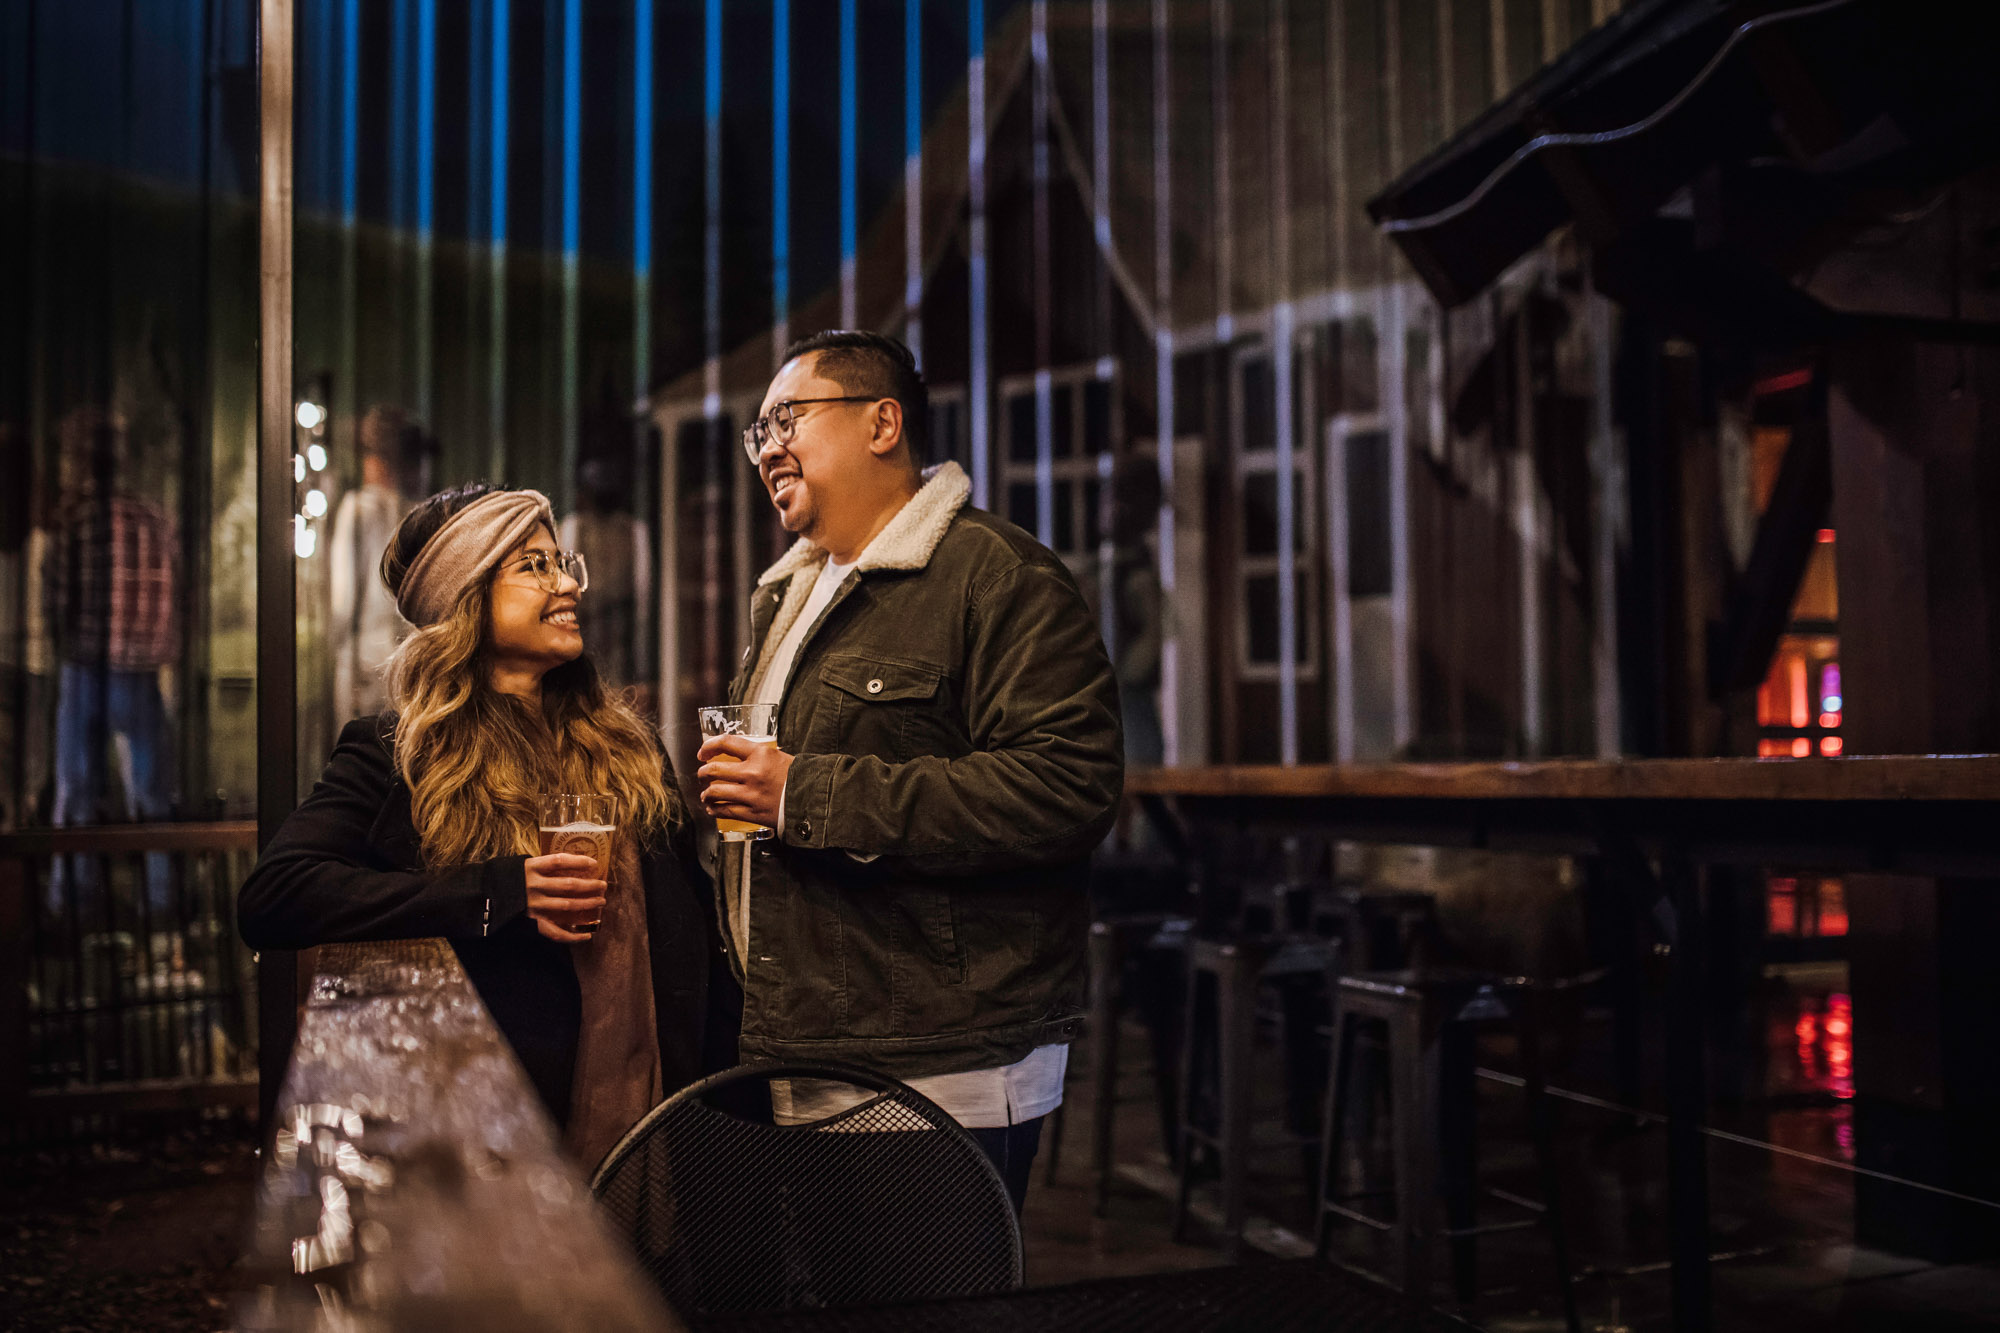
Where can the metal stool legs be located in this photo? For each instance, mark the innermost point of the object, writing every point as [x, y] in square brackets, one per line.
[1431, 1062]
[1232, 969]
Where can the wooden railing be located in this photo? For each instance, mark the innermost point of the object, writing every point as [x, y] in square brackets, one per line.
[107, 1004]
[415, 1180]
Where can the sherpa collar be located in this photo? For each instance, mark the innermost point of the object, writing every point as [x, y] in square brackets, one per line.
[909, 540]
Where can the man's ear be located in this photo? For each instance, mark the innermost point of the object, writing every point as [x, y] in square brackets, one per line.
[888, 428]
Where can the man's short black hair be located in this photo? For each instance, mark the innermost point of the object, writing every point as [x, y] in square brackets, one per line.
[877, 365]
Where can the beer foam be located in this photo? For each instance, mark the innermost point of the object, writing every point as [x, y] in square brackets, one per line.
[578, 827]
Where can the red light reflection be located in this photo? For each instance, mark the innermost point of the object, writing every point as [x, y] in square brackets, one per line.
[1825, 1032]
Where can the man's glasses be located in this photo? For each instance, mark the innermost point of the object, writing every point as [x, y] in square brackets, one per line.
[781, 423]
[548, 567]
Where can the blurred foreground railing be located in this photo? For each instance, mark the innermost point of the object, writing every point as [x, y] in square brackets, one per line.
[415, 1181]
[123, 985]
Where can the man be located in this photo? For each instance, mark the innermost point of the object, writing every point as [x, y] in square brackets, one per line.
[948, 755]
[365, 626]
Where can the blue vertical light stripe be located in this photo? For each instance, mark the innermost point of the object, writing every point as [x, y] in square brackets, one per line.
[426, 111]
[913, 177]
[425, 191]
[399, 114]
[980, 394]
[849, 114]
[325, 93]
[642, 138]
[712, 208]
[350, 107]
[572, 126]
[496, 164]
[781, 166]
[477, 89]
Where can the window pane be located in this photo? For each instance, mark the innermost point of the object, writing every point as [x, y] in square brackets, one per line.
[1064, 445]
[1021, 504]
[1065, 518]
[1369, 572]
[1021, 428]
[1093, 518]
[1097, 417]
[1260, 513]
[1260, 608]
[1255, 379]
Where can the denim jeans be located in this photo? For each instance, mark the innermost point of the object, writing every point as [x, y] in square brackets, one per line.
[93, 705]
[1011, 1149]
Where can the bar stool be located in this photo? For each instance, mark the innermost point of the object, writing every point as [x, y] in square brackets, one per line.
[1384, 928]
[1216, 1057]
[1156, 942]
[1431, 1016]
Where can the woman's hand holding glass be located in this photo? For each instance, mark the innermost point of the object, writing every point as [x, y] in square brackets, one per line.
[563, 890]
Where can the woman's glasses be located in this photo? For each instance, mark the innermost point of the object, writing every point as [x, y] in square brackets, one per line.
[781, 423]
[548, 567]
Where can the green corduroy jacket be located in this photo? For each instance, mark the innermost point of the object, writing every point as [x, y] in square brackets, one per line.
[955, 727]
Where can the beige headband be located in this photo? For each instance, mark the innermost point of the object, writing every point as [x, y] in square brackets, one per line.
[470, 543]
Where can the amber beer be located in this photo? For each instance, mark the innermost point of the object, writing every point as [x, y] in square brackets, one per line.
[580, 824]
[753, 722]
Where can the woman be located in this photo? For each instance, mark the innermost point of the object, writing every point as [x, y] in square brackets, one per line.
[425, 823]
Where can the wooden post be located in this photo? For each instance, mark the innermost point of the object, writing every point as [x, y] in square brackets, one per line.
[277, 601]
[1915, 484]
[14, 881]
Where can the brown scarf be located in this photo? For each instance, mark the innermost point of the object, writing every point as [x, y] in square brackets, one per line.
[618, 1050]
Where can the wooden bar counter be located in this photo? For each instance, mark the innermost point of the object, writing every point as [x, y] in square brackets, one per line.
[416, 1182]
[1928, 814]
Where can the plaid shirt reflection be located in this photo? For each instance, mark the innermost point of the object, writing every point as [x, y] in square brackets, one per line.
[111, 584]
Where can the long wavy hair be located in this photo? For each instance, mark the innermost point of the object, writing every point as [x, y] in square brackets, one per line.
[475, 758]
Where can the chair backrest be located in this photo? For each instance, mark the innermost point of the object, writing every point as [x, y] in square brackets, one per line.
[889, 1200]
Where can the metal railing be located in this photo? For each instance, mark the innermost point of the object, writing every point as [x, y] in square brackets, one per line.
[123, 984]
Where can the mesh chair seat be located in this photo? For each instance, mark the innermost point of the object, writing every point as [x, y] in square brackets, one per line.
[888, 1200]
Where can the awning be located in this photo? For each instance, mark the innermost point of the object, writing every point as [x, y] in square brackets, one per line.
[1794, 108]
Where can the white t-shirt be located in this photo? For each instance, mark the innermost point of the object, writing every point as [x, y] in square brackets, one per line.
[977, 1098]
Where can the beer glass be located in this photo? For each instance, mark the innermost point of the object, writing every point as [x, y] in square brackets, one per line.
[753, 722]
[582, 824]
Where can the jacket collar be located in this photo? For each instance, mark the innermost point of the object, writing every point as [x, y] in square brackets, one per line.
[911, 537]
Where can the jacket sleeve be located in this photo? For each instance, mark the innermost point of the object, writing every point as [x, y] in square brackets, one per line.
[1048, 767]
[323, 880]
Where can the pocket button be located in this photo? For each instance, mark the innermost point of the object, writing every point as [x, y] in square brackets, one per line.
[875, 685]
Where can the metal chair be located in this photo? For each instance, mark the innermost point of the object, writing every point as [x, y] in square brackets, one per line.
[730, 1212]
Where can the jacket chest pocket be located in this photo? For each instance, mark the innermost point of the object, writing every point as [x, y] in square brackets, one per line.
[877, 707]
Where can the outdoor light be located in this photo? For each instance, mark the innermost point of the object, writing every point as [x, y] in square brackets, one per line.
[298, 467]
[315, 503]
[304, 540]
[310, 415]
[316, 457]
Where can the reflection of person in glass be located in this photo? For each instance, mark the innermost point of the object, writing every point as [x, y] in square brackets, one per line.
[947, 757]
[618, 547]
[364, 626]
[111, 588]
[425, 824]
[1136, 604]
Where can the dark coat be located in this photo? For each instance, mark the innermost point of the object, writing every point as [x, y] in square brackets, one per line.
[346, 866]
[957, 755]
